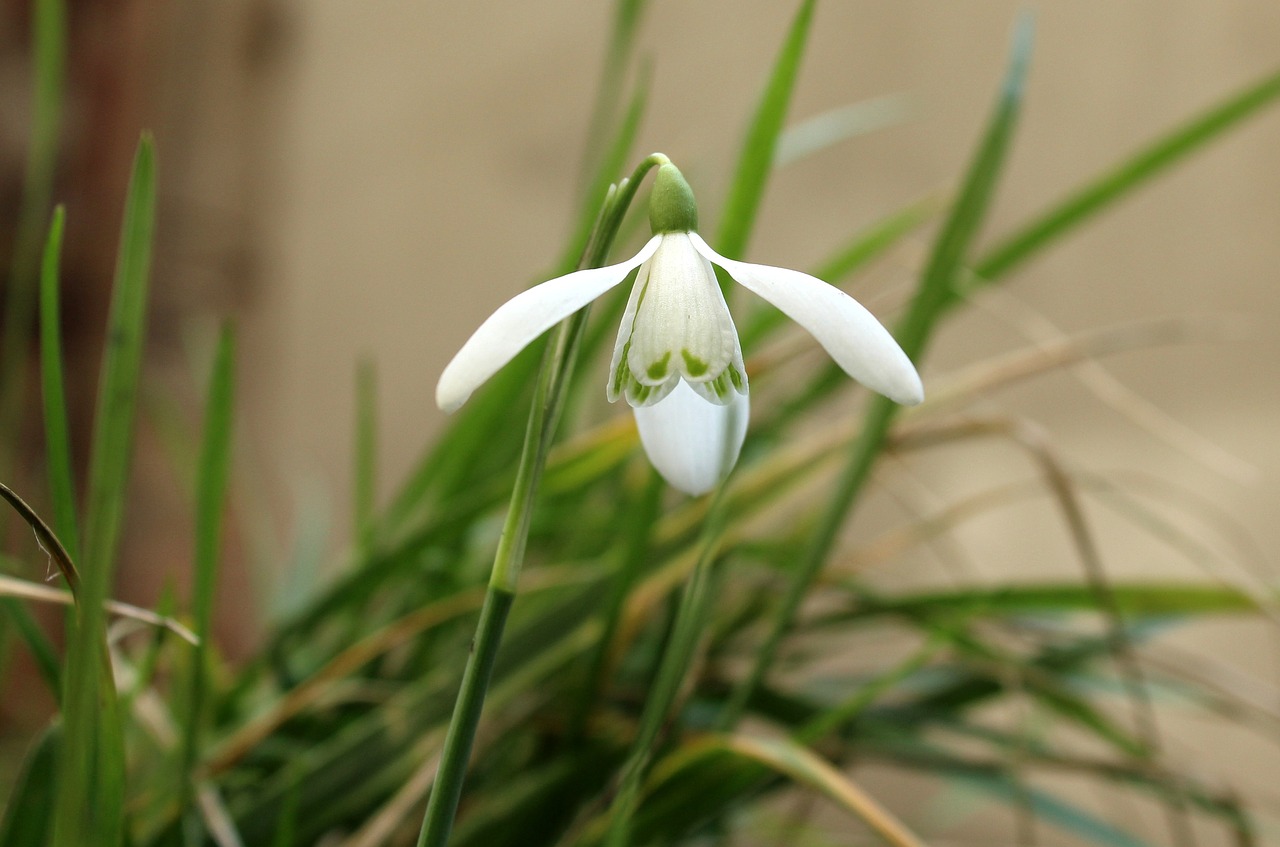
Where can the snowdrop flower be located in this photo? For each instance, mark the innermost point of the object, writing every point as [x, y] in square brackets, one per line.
[677, 359]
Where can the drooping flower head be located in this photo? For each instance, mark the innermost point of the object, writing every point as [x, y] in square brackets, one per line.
[677, 359]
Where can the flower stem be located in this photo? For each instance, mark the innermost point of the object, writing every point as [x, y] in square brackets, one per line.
[548, 401]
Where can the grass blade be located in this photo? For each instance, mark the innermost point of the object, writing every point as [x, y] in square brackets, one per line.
[755, 162]
[211, 491]
[27, 814]
[49, 53]
[933, 294]
[56, 431]
[91, 764]
[804, 767]
[1116, 183]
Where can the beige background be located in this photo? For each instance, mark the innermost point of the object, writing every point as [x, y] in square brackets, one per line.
[383, 154]
[395, 144]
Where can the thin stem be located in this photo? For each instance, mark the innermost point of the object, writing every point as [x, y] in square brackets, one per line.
[685, 634]
[638, 547]
[865, 452]
[548, 401]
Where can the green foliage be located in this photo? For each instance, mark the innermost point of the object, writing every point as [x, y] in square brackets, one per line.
[647, 670]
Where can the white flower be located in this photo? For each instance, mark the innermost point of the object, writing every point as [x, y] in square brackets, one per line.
[677, 359]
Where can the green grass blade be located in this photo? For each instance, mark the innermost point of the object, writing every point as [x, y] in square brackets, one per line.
[755, 162]
[366, 455]
[1144, 600]
[826, 130]
[622, 40]
[56, 431]
[934, 292]
[49, 53]
[90, 804]
[121, 368]
[950, 251]
[1120, 180]
[27, 812]
[41, 650]
[211, 492]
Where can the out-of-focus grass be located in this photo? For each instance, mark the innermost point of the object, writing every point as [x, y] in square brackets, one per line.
[332, 731]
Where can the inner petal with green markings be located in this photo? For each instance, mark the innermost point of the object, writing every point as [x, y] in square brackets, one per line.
[676, 326]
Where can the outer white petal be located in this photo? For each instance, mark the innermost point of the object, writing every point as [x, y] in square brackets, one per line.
[693, 444]
[854, 338]
[522, 319]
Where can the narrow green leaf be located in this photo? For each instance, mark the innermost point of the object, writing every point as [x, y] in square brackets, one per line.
[801, 765]
[1122, 179]
[211, 492]
[49, 54]
[57, 437]
[27, 813]
[1158, 599]
[366, 454]
[950, 251]
[622, 41]
[31, 633]
[826, 130]
[933, 293]
[90, 808]
[755, 161]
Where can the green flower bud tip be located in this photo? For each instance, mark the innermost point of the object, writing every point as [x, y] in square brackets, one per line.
[671, 204]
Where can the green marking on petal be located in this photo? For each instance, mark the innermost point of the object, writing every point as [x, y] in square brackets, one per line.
[658, 369]
[621, 373]
[693, 366]
[720, 385]
[736, 378]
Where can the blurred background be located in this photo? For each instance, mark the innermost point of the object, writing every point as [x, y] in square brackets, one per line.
[335, 176]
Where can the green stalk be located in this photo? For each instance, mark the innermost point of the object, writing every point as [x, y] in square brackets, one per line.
[690, 616]
[49, 56]
[211, 493]
[934, 294]
[548, 400]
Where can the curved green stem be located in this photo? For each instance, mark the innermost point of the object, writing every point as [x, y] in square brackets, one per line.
[548, 401]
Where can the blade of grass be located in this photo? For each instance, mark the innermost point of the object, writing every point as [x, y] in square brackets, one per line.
[686, 631]
[27, 590]
[45, 536]
[622, 40]
[1120, 180]
[797, 762]
[57, 438]
[755, 161]
[211, 492]
[27, 819]
[37, 642]
[932, 295]
[90, 803]
[49, 55]
[544, 415]
[832, 127]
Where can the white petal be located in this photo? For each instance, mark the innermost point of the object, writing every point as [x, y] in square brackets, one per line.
[692, 443]
[522, 319]
[854, 338]
[676, 325]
